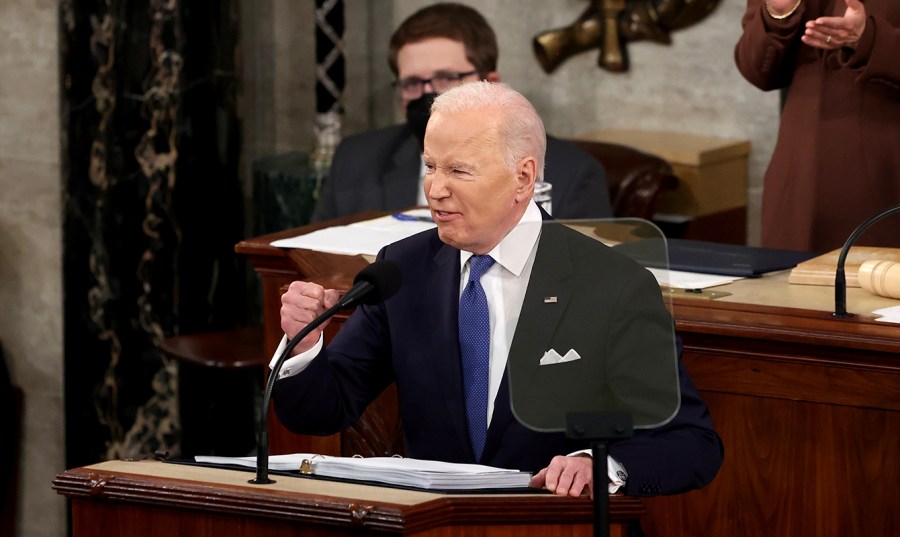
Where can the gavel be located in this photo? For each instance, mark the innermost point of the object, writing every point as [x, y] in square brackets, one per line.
[880, 278]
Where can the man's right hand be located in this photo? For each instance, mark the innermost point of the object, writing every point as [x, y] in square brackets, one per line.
[300, 305]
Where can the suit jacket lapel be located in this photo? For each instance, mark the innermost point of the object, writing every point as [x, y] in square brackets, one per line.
[401, 175]
[443, 286]
[539, 317]
[537, 324]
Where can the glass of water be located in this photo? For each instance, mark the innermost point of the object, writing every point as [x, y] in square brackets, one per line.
[543, 196]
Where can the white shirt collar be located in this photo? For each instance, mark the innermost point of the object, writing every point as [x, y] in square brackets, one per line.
[513, 250]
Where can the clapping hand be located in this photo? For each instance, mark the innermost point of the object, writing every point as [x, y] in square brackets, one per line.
[835, 32]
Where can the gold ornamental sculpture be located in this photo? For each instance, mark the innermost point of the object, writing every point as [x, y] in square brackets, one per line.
[610, 24]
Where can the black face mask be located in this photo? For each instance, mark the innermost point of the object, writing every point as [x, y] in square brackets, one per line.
[417, 114]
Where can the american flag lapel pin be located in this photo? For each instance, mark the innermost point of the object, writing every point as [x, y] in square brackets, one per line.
[550, 300]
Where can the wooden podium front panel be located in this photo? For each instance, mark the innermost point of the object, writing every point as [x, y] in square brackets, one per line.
[91, 518]
[808, 408]
[143, 499]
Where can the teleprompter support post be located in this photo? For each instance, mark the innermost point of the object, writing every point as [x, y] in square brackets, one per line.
[599, 428]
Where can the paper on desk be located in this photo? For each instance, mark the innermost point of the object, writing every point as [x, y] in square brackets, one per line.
[366, 237]
[393, 470]
[888, 315]
[690, 280]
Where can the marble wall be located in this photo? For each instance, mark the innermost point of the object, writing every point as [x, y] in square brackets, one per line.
[152, 212]
[31, 328]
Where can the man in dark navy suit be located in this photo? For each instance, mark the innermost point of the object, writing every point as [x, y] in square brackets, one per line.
[439, 47]
[548, 291]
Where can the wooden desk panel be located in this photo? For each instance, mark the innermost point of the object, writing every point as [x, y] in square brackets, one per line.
[142, 499]
[808, 407]
[809, 410]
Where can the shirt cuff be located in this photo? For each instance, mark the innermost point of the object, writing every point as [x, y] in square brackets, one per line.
[614, 470]
[295, 364]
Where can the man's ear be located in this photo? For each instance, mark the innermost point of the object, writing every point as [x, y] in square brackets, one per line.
[493, 76]
[526, 175]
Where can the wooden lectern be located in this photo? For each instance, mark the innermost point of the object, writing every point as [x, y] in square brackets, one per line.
[808, 406]
[157, 499]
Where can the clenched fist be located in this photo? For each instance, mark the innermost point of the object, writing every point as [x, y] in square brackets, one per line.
[300, 305]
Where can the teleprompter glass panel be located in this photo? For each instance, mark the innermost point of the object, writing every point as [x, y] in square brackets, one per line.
[595, 333]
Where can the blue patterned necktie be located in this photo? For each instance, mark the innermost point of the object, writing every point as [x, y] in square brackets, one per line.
[475, 346]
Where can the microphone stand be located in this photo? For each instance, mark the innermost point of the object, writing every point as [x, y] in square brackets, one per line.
[262, 451]
[377, 281]
[840, 279]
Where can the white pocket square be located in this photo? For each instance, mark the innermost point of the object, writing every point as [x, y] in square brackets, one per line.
[552, 357]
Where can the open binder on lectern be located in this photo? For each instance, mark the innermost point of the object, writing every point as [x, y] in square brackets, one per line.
[397, 471]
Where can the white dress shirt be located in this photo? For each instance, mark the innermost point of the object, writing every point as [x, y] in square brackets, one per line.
[504, 285]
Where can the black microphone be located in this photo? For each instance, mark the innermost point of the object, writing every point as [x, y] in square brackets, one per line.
[379, 281]
[840, 279]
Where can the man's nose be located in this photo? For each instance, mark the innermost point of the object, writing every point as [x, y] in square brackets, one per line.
[436, 186]
[428, 84]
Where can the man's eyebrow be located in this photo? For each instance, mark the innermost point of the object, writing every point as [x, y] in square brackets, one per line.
[459, 164]
[449, 164]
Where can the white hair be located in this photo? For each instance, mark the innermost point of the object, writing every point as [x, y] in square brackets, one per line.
[521, 129]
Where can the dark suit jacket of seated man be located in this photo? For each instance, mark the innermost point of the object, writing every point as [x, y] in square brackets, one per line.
[380, 170]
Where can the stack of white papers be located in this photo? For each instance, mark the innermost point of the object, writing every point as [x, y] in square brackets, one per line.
[391, 470]
[888, 315]
[364, 238]
[690, 280]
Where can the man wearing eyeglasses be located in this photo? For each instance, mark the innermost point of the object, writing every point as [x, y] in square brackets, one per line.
[437, 48]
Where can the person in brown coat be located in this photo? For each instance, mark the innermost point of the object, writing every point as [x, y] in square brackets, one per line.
[837, 158]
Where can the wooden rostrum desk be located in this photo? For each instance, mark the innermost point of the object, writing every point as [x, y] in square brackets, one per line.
[808, 406]
[158, 499]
